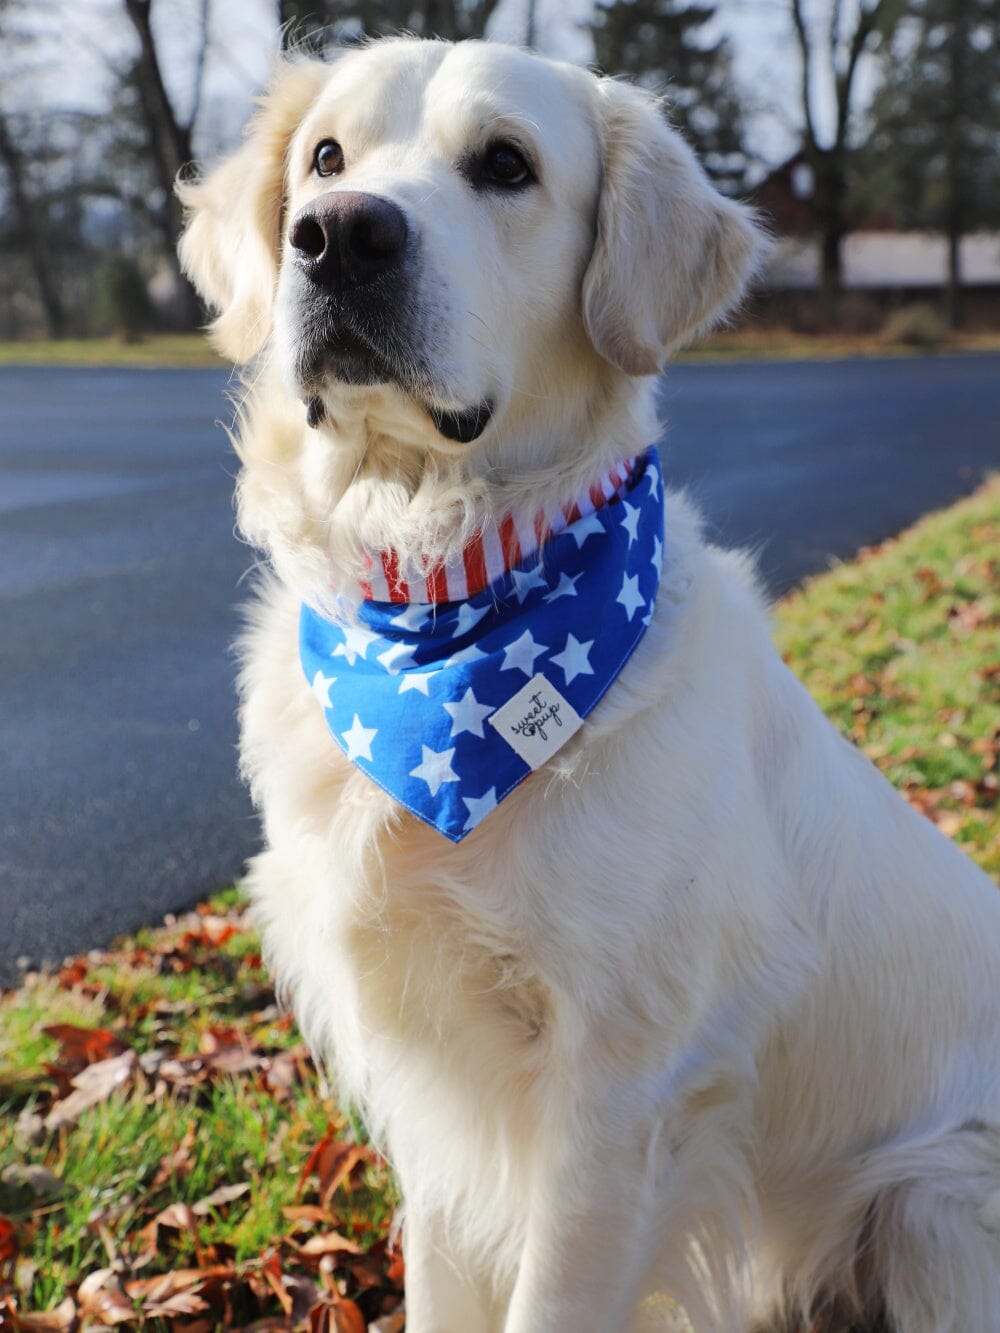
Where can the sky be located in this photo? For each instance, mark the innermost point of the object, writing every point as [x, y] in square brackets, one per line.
[87, 37]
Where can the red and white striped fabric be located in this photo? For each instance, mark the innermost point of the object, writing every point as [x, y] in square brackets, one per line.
[492, 553]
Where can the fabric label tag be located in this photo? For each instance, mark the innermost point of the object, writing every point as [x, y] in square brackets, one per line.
[536, 722]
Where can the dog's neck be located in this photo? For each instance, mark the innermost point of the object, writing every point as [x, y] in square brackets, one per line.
[372, 475]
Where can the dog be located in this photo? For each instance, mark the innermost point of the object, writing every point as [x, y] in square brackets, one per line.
[698, 1014]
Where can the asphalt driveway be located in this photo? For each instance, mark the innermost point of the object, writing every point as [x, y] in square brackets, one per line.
[119, 577]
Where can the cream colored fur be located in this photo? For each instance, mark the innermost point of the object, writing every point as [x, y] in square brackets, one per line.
[703, 1008]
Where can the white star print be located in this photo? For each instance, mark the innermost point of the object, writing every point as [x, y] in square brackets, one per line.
[467, 715]
[630, 596]
[359, 740]
[657, 556]
[413, 617]
[396, 657]
[321, 688]
[467, 617]
[521, 654]
[479, 807]
[574, 660]
[653, 473]
[356, 643]
[565, 588]
[435, 768]
[631, 521]
[470, 654]
[526, 580]
[414, 680]
[584, 528]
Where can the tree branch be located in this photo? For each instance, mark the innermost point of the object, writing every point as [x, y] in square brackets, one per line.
[172, 140]
[204, 15]
[868, 20]
[835, 12]
[33, 219]
[805, 50]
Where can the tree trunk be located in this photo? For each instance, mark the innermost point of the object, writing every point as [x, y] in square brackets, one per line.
[955, 150]
[170, 145]
[32, 222]
[953, 303]
[831, 278]
[831, 191]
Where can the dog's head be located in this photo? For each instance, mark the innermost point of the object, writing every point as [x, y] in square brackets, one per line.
[450, 230]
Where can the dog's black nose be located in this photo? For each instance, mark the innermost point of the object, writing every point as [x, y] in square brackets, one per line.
[346, 238]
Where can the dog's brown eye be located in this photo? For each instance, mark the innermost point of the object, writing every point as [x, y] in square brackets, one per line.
[328, 159]
[503, 164]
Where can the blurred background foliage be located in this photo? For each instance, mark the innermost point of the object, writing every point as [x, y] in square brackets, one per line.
[887, 116]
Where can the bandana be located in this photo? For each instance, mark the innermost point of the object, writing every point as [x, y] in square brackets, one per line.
[449, 704]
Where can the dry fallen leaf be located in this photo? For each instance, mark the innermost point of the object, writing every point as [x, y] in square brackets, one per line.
[182, 1304]
[341, 1316]
[84, 1046]
[333, 1162]
[219, 1198]
[165, 1285]
[92, 1085]
[215, 931]
[176, 1216]
[235, 1058]
[61, 1319]
[330, 1243]
[8, 1248]
[102, 1300]
[274, 1276]
[306, 1212]
[390, 1323]
[285, 1069]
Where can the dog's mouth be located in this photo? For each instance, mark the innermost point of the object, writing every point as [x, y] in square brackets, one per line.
[349, 359]
[463, 427]
[460, 427]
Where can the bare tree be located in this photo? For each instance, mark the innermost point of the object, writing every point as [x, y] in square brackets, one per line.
[28, 229]
[668, 45]
[31, 224]
[839, 43]
[168, 132]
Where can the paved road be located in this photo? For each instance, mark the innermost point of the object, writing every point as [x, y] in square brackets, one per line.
[118, 582]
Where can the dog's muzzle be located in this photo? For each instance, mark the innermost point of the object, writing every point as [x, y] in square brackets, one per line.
[355, 259]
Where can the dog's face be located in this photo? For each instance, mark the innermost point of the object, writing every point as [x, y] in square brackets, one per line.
[447, 230]
[440, 207]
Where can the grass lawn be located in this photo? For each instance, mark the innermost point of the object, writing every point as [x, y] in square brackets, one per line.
[745, 344]
[158, 350]
[761, 344]
[168, 1155]
[901, 648]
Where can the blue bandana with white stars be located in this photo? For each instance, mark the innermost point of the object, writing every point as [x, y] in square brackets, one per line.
[449, 706]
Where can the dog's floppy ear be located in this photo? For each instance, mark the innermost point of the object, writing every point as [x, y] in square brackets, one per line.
[672, 256]
[231, 244]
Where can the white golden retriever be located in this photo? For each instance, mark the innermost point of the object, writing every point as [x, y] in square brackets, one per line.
[702, 1009]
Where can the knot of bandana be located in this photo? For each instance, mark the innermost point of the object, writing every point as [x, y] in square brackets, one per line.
[448, 706]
